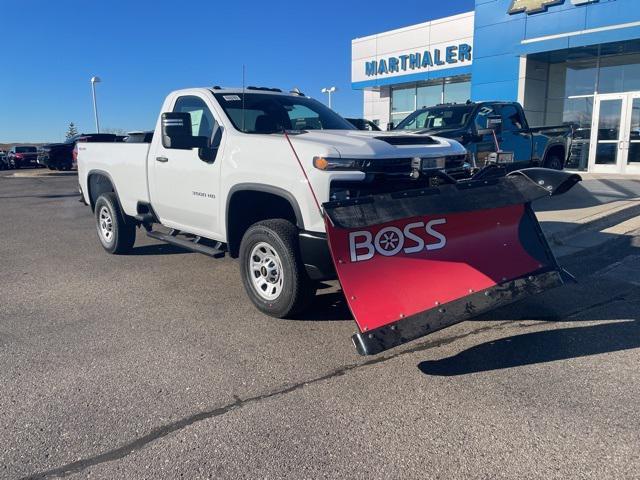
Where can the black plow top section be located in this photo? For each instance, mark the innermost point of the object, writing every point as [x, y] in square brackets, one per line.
[519, 187]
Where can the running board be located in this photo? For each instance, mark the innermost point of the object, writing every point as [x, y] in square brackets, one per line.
[192, 245]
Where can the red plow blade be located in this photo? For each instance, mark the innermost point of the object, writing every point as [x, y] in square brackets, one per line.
[416, 262]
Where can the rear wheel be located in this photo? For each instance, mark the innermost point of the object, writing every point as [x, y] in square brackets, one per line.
[554, 161]
[117, 233]
[271, 269]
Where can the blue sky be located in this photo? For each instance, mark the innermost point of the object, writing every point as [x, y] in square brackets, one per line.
[144, 49]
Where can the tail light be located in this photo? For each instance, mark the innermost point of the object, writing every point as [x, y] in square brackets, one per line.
[19, 156]
[74, 163]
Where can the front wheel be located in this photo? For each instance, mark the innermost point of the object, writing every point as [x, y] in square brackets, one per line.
[116, 232]
[271, 269]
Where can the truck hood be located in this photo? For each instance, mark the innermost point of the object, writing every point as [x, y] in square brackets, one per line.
[445, 133]
[360, 143]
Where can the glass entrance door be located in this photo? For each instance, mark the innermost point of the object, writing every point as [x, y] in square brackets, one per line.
[615, 133]
[632, 164]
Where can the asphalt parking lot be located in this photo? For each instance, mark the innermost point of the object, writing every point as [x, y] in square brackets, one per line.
[156, 365]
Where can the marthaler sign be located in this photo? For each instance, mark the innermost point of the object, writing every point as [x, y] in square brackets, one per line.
[419, 60]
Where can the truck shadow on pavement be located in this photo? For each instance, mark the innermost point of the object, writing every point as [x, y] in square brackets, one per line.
[538, 347]
[327, 307]
[158, 249]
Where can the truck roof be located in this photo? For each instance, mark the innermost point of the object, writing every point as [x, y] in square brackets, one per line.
[468, 103]
[253, 89]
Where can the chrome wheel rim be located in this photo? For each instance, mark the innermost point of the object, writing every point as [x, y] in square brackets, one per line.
[265, 269]
[105, 224]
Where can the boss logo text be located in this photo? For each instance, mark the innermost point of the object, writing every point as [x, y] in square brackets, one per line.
[390, 241]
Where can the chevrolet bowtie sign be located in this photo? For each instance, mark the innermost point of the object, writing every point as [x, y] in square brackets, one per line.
[536, 6]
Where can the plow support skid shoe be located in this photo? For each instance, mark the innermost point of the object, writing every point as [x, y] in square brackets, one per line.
[414, 262]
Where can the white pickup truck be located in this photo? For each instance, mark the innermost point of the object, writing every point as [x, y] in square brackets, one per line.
[244, 172]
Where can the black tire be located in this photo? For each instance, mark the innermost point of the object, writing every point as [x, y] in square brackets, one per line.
[554, 161]
[297, 290]
[109, 218]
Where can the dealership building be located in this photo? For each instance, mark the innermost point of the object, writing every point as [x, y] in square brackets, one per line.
[574, 62]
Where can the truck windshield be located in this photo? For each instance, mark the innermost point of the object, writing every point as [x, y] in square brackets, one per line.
[437, 118]
[269, 113]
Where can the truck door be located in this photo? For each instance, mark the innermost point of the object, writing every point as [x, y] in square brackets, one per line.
[184, 188]
[515, 136]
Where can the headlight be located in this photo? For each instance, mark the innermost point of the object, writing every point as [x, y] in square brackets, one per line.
[328, 163]
[434, 163]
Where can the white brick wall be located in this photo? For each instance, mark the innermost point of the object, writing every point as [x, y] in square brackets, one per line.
[449, 31]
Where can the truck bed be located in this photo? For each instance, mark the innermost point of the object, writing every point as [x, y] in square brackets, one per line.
[125, 163]
[558, 130]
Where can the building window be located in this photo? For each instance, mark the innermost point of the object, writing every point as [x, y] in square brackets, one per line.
[429, 95]
[619, 73]
[407, 99]
[458, 92]
[403, 100]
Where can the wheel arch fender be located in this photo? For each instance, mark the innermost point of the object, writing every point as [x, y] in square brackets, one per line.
[235, 229]
[553, 147]
[99, 182]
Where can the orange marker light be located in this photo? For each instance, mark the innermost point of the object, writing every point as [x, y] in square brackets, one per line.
[320, 163]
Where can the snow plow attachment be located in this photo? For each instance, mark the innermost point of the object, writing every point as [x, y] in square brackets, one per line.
[414, 262]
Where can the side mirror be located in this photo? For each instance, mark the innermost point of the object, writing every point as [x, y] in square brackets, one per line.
[176, 132]
[494, 124]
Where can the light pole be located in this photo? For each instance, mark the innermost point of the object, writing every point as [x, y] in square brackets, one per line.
[329, 91]
[95, 80]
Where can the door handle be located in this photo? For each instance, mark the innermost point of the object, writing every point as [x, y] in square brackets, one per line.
[162, 159]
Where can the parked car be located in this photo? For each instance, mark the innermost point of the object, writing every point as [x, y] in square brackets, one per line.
[3, 160]
[363, 124]
[22, 156]
[474, 125]
[59, 156]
